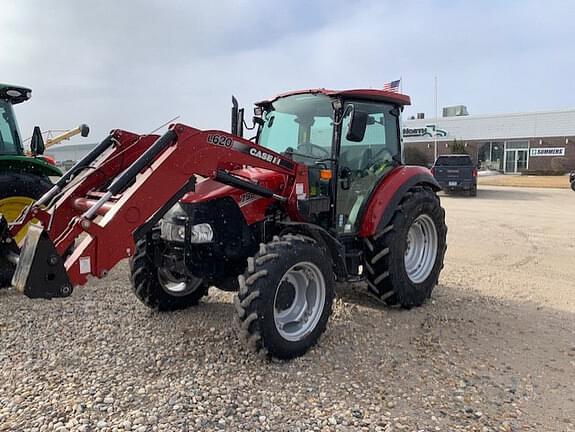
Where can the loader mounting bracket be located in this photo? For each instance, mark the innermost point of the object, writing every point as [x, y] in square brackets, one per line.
[40, 272]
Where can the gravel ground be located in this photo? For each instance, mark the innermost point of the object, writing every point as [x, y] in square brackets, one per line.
[494, 350]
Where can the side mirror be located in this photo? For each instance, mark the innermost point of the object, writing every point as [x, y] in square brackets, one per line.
[37, 143]
[84, 130]
[357, 126]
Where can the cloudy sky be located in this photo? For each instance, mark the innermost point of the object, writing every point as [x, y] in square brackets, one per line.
[136, 64]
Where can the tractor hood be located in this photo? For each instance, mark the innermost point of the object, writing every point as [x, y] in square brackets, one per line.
[209, 189]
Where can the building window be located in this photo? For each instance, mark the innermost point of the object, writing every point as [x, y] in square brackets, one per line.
[491, 155]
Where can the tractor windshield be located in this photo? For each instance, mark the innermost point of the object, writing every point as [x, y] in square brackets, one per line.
[300, 126]
[9, 136]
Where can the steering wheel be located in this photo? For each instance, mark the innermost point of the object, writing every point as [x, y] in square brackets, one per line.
[312, 150]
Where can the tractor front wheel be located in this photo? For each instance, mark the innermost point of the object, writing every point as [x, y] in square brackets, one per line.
[160, 288]
[17, 191]
[285, 297]
[403, 261]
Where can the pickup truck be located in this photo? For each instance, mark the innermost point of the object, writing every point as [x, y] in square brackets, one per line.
[456, 172]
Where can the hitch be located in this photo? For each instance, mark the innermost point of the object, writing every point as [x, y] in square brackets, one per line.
[40, 272]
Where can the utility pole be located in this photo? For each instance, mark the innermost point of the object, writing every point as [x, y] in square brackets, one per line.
[435, 129]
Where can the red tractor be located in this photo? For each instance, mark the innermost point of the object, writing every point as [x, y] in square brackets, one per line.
[318, 195]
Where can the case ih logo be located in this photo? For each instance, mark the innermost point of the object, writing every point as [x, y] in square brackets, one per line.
[427, 131]
[265, 156]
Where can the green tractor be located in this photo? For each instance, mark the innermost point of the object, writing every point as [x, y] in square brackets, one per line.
[23, 177]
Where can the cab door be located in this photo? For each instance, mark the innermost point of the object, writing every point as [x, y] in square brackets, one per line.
[361, 164]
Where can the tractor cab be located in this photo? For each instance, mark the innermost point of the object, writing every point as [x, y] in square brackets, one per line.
[10, 137]
[348, 140]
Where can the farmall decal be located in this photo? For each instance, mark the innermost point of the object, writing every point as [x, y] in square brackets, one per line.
[429, 130]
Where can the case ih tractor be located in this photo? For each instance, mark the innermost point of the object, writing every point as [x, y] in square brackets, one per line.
[319, 195]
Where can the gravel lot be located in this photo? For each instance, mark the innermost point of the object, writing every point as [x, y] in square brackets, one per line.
[494, 350]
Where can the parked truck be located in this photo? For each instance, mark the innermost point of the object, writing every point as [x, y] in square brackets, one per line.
[456, 173]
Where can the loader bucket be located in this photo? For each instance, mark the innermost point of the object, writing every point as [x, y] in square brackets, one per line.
[40, 272]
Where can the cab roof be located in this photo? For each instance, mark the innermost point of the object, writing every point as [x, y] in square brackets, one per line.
[14, 94]
[368, 94]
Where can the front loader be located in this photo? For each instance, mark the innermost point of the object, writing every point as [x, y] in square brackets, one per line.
[318, 195]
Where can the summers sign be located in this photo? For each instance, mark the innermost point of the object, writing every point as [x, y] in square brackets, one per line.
[547, 151]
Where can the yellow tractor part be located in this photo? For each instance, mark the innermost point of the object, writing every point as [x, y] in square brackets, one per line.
[80, 130]
[11, 208]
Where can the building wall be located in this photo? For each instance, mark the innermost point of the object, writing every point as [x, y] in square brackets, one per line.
[537, 163]
[472, 147]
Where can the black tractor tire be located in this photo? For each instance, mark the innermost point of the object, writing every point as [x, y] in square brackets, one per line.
[385, 252]
[6, 272]
[573, 185]
[149, 288]
[22, 184]
[257, 298]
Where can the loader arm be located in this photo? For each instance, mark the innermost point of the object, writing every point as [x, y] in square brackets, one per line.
[136, 200]
[59, 205]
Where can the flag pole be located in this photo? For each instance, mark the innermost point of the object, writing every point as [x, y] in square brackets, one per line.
[435, 131]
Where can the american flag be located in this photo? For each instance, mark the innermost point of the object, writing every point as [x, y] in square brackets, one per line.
[392, 86]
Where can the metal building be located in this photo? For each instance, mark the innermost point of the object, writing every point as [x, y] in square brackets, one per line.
[541, 141]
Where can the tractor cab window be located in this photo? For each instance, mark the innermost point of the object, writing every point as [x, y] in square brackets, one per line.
[363, 163]
[9, 136]
[299, 127]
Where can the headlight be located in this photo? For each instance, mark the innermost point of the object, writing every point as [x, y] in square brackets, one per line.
[201, 233]
[172, 232]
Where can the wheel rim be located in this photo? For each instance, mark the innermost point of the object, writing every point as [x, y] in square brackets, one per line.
[299, 301]
[11, 208]
[176, 284]
[421, 249]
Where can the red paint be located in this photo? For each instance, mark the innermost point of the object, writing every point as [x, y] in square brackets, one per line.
[253, 209]
[48, 159]
[372, 94]
[383, 195]
[128, 148]
[111, 237]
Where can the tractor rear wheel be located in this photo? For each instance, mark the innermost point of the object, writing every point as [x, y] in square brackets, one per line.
[285, 297]
[162, 289]
[17, 191]
[403, 261]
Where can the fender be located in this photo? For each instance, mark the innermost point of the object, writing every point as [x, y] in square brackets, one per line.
[388, 193]
[29, 165]
[330, 245]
